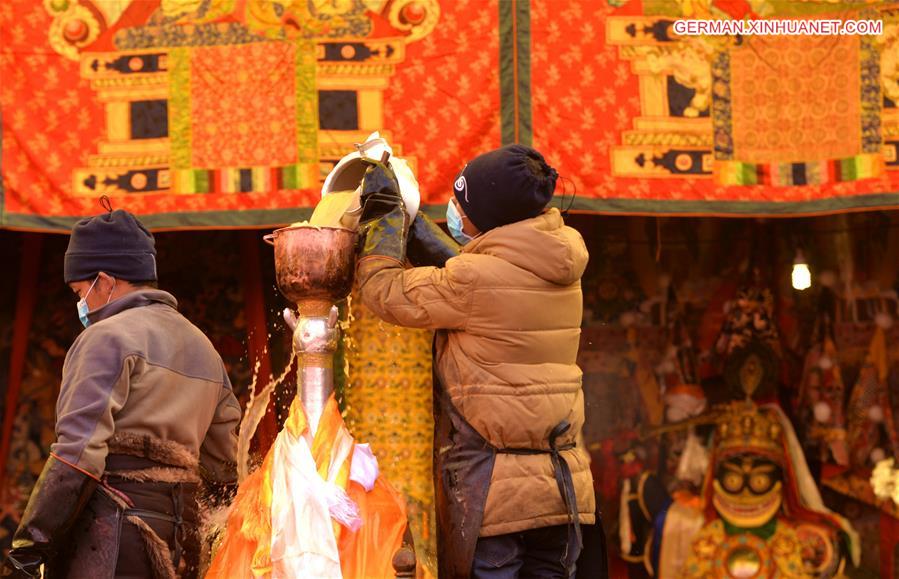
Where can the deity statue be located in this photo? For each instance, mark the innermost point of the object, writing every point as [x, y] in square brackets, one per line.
[759, 513]
[763, 514]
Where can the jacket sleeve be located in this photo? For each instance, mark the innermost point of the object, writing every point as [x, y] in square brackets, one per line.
[420, 297]
[96, 379]
[218, 453]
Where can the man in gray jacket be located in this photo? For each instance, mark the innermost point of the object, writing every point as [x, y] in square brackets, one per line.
[145, 415]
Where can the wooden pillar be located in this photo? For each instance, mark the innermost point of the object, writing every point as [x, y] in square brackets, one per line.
[889, 537]
[25, 300]
[257, 329]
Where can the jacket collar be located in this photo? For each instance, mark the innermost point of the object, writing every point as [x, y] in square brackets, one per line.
[542, 245]
[549, 220]
[136, 299]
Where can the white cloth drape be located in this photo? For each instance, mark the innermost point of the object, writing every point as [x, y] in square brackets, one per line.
[304, 505]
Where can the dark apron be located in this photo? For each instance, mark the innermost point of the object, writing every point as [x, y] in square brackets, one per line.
[105, 545]
[463, 468]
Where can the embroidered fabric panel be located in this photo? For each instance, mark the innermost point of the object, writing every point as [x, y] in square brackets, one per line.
[216, 114]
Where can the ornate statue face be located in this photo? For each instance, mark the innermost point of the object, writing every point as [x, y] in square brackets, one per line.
[747, 490]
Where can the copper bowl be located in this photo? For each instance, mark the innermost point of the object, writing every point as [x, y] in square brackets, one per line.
[314, 263]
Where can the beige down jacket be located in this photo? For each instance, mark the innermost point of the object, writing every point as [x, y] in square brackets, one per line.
[509, 313]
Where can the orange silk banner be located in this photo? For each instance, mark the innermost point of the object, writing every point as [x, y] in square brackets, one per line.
[228, 113]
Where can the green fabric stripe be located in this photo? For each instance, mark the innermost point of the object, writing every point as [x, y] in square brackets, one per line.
[306, 103]
[506, 73]
[201, 181]
[849, 169]
[714, 208]
[748, 175]
[734, 208]
[179, 108]
[525, 128]
[2, 186]
[870, 97]
[271, 218]
[244, 219]
[289, 177]
[722, 110]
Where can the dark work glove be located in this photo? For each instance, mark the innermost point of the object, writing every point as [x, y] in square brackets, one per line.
[57, 499]
[380, 191]
[428, 244]
[386, 235]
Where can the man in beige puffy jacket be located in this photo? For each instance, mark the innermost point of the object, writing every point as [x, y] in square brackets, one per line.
[513, 486]
[145, 414]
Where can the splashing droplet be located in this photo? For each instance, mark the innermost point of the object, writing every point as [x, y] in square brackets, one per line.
[256, 409]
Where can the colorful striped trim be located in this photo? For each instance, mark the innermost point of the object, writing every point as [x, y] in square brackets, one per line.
[515, 71]
[245, 179]
[863, 166]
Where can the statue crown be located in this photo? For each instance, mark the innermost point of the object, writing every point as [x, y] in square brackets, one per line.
[745, 427]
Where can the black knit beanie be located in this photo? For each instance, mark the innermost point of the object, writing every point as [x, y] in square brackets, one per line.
[115, 243]
[503, 186]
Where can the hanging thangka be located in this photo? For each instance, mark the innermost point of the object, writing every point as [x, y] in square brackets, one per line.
[192, 114]
[228, 114]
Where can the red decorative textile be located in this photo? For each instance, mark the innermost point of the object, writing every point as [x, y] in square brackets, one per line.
[223, 114]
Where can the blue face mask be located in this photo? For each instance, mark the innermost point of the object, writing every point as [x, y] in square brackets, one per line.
[454, 222]
[83, 310]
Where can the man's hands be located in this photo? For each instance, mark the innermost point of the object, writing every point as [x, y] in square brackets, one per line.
[384, 223]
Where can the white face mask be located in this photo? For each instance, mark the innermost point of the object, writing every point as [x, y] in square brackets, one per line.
[454, 223]
[83, 310]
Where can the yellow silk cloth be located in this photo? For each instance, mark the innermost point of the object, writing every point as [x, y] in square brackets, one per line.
[336, 209]
[246, 550]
